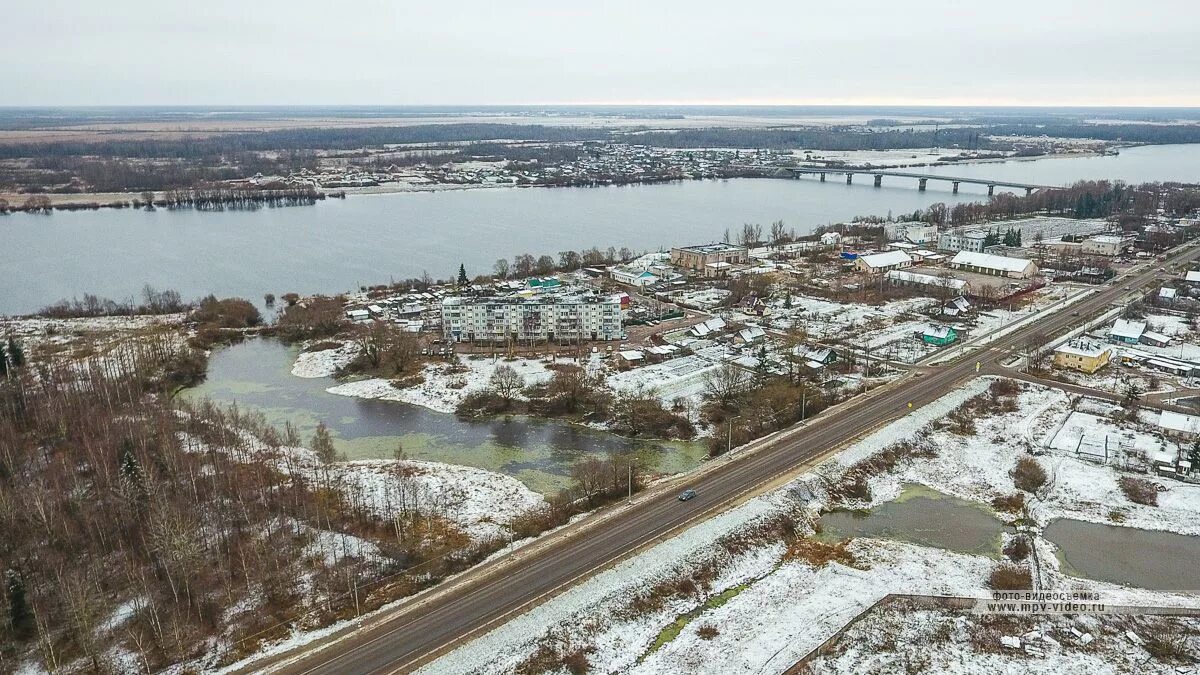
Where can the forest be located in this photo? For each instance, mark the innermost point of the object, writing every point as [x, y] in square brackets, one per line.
[143, 530]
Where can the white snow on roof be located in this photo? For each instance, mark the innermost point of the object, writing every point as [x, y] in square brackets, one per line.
[1156, 337]
[1166, 293]
[888, 259]
[927, 279]
[1179, 422]
[989, 261]
[1193, 275]
[1082, 348]
[631, 355]
[1128, 329]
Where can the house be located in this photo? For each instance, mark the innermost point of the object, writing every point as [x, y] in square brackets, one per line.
[831, 239]
[877, 263]
[939, 335]
[994, 265]
[1128, 332]
[631, 357]
[1179, 424]
[1167, 294]
[633, 277]
[1155, 339]
[815, 359]
[914, 232]
[358, 315]
[956, 306]
[1103, 245]
[707, 328]
[1192, 277]
[1082, 355]
[751, 334]
[960, 240]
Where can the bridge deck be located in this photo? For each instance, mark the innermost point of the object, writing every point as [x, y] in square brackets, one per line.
[927, 176]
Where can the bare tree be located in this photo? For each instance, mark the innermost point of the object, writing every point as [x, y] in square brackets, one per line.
[501, 268]
[506, 382]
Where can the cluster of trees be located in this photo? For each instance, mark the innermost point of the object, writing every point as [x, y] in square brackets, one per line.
[215, 197]
[313, 318]
[747, 404]
[573, 393]
[752, 235]
[526, 265]
[153, 302]
[1084, 199]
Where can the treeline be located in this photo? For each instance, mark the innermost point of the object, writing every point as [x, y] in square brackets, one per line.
[153, 302]
[822, 138]
[1084, 199]
[297, 140]
[1128, 133]
[217, 198]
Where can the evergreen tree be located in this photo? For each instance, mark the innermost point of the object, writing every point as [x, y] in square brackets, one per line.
[322, 444]
[462, 275]
[3, 361]
[1194, 454]
[16, 355]
[132, 475]
[20, 616]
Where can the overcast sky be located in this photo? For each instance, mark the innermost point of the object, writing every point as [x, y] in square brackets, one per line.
[1009, 52]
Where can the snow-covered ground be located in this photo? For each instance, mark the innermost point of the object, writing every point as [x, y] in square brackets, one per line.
[934, 641]
[773, 610]
[445, 386]
[324, 363]
[826, 319]
[482, 502]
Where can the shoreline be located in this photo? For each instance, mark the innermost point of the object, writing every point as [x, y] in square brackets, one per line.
[91, 201]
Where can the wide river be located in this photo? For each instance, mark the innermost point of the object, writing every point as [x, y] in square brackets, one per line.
[338, 245]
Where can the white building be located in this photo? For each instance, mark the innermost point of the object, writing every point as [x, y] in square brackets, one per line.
[905, 278]
[633, 277]
[548, 317]
[1105, 245]
[882, 262]
[960, 240]
[831, 238]
[914, 232]
[995, 265]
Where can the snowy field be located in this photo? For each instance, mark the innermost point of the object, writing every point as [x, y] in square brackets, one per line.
[764, 610]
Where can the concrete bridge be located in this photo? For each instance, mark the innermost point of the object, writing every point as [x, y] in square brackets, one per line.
[922, 178]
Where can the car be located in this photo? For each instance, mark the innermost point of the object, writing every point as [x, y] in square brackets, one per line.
[687, 494]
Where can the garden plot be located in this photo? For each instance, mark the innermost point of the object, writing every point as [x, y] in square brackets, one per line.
[683, 377]
[825, 319]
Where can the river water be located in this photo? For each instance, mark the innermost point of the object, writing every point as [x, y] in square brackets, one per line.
[338, 245]
[256, 375]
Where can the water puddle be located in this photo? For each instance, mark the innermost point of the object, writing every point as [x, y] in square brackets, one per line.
[921, 516]
[1162, 561]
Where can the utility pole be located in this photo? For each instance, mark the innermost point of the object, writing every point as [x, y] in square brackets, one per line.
[631, 481]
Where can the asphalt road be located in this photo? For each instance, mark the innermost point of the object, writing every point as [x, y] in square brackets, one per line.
[414, 634]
